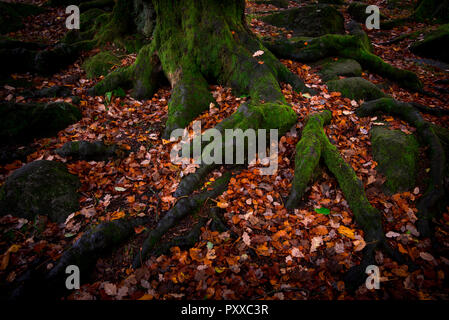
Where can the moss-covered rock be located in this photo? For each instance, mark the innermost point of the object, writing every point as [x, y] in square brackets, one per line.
[331, 69]
[12, 14]
[432, 9]
[356, 88]
[21, 122]
[434, 44]
[310, 21]
[396, 154]
[40, 187]
[85, 150]
[100, 64]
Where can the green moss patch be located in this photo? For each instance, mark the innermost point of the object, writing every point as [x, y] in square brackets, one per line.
[313, 21]
[396, 154]
[100, 64]
[356, 88]
[431, 45]
[331, 69]
[40, 187]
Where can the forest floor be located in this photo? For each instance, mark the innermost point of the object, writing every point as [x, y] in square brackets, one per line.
[279, 254]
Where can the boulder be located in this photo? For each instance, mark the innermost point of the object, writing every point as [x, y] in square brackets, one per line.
[434, 45]
[309, 21]
[22, 122]
[396, 154]
[331, 69]
[40, 187]
[356, 88]
[85, 150]
[100, 64]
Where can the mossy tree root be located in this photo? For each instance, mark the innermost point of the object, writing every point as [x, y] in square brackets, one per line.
[192, 236]
[354, 46]
[434, 199]
[83, 253]
[313, 146]
[144, 76]
[183, 207]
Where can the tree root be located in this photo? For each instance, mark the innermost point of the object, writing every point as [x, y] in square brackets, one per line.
[355, 46]
[182, 208]
[83, 254]
[145, 76]
[433, 200]
[16, 56]
[314, 145]
[191, 237]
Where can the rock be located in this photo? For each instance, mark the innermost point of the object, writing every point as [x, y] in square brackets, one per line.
[100, 64]
[331, 70]
[356, 88]
[85, 150]
[50, 92]
[435, 45]
[396, 154]
[309, 21]
[40, 187]
[22, 122]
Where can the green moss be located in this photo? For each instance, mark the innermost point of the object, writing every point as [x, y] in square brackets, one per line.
[88, 18]
[348, 46]
[23, 122]
[396, 153]
[40, 187]
[331, 69]
[356, 88]
[430, 46]
[313, 20]
[308, 154]
[100, 64]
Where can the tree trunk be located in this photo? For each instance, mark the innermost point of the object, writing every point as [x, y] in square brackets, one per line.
[197, 42]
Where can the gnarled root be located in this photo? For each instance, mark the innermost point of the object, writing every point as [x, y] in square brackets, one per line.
[435, 196]
[355, 46]
[182, 208]
[314, 145]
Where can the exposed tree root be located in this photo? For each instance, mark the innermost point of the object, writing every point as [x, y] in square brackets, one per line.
[314, 145]
[355, 46]
[84, 254]
[431, 203]
[182, 208]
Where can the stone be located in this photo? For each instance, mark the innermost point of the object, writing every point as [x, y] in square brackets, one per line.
[396, 154]
[356, 88]
[85, 150]
[435, 45]
[309, 21]
[331, 69]
[40, 188]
